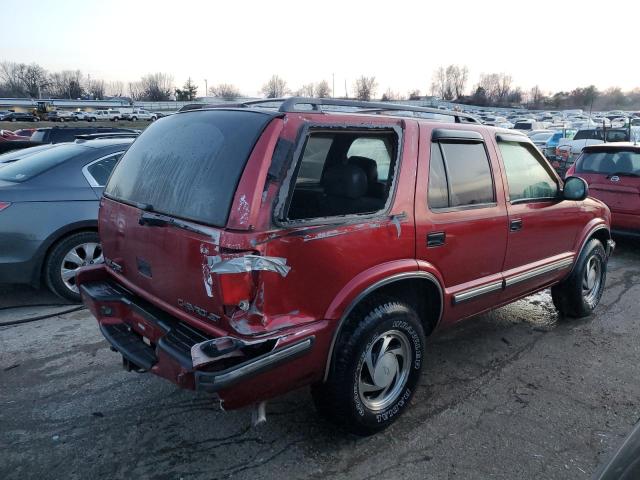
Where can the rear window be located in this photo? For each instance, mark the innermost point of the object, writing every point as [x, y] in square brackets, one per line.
[188, 165]
[621, 163]
[28, 167]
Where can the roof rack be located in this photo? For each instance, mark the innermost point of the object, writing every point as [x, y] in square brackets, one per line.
[290, 105]
[95, 136]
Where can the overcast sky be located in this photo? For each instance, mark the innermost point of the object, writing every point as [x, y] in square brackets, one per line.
[555, 44]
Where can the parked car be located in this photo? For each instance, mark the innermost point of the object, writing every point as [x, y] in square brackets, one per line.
[540, 138]
[61, 116]
[102, 115]
[115, 115]
[139, 114]
[24, 132]
[568, 150]
[19, 117]
[612, 171]
[528, 125]
[48, 213]
[9, 136]
[85, 116]
[219, 226]
[69, 134]
[624, 464]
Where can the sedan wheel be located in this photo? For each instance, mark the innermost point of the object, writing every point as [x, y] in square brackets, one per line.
[67, 257]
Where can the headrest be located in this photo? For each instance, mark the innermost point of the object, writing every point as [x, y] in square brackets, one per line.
[369, 166]
[608, 165]
[347, 181]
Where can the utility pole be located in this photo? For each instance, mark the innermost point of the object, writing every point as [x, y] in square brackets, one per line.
[346, 92]
[206, 88]
[333, 88]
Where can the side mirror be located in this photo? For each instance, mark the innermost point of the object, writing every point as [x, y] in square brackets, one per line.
[575, 188]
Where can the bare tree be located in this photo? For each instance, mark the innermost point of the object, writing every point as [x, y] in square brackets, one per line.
[323, 90]
[115, 89]
[391, 96]
[365, 87]
[157, 87]
[439, 83]
[307, 90]
[11, 82]
[536, 96]
[136, 90]
[65, 84]
[225, 91]
[458, 77]
[33, 77]
[96, 89]
[275, 87]
[414, 94]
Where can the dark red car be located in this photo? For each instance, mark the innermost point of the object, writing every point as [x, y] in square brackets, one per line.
[612, 171]
[250, 251]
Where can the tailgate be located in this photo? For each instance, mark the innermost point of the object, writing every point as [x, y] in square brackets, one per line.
[168, 263]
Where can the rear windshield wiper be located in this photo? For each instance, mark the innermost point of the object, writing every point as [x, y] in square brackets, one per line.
[623, 174]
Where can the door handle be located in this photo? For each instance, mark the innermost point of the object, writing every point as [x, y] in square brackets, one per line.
[436, 239]
[515, 224]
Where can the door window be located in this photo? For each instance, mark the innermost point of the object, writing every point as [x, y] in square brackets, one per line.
[527, 177]
[459, 175]
[343, 173]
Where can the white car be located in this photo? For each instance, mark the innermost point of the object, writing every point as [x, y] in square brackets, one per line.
[140, 114]
[103, 115]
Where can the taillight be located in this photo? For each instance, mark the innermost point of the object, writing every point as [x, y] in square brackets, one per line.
[4, 205]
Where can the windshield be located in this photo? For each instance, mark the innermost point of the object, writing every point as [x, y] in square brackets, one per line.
[32, 165]
[615, 162]
[188, 165]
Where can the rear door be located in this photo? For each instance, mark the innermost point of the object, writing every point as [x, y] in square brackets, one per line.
[542, 228]
[461, 219]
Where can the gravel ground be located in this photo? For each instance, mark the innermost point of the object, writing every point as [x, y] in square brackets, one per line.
[514, 394]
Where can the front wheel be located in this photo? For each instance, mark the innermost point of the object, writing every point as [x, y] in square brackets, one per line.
[376, 368]
[66, 258]
[580, 293]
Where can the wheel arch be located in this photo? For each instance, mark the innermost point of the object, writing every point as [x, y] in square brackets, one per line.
[54, 239]
[599, 231]
[420, 288]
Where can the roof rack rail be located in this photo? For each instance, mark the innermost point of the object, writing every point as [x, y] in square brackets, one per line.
[290, 105]
[94, 136]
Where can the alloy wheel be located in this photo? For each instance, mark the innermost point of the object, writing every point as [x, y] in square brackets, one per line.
[79, 256]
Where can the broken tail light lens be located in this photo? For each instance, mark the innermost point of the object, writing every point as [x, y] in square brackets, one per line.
[4, 205]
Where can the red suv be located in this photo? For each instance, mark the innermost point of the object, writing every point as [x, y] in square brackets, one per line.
[612, 171]
[250, 251]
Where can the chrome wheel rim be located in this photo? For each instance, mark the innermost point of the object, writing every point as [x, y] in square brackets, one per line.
[79, 256]
[385, 370]
[592, 279]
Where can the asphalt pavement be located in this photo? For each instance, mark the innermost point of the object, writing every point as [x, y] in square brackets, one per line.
[514, 394]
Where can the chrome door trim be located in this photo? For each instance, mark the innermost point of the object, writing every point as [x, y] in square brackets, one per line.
[528, 275]
[477, 291]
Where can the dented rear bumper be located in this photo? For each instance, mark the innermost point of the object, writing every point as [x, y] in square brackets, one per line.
[249, 370]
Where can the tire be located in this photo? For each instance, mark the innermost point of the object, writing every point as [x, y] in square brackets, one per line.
[580, 293]
[367, 389]
[36, 119]
[61, 261]
[13, 119]
[134, 119]
[61, 120]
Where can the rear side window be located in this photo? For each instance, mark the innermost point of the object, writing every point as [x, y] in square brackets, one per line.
[28, 167]
[97, 172]
[528, 179]
[461, 169]
[188, 165]
[621, 163]
[343, 173]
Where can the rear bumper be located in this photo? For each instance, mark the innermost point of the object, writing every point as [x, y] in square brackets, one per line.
[150, 339]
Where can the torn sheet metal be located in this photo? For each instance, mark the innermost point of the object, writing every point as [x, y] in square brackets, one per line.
[217, 349]
[248, 263]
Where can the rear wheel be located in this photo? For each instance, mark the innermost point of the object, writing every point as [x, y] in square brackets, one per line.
[134, 119]
[376, 368]
[66, 258]
[579, 295]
